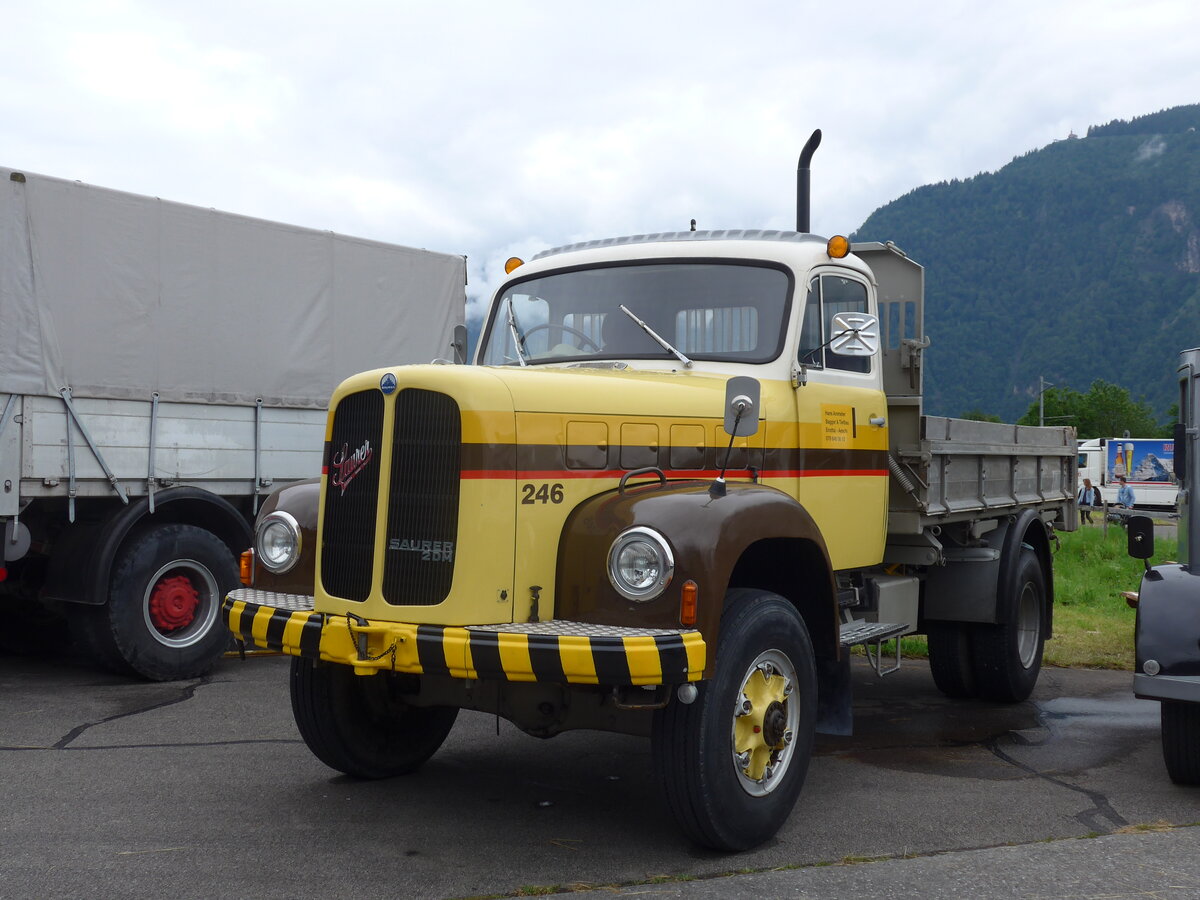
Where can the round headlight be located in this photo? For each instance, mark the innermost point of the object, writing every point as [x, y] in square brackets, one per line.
[277, 541]
[640, 564]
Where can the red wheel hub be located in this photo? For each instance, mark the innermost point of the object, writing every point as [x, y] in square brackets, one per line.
[173, 603]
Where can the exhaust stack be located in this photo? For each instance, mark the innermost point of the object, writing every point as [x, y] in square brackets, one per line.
[802, 182]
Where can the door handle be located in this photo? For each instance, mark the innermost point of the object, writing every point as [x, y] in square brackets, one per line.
[877, 421]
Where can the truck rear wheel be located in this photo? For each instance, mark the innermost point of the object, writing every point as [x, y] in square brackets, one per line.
[358, 724]
[732, 762]
[162, 619]
[950, 659]
[1181, 740]
[1008, 657]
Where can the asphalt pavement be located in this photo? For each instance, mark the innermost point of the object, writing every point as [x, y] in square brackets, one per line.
[118, 788]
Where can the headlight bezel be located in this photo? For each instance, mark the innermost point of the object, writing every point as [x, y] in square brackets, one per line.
[275, 519]
[627, 539]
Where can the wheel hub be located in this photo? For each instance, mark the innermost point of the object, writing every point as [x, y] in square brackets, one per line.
[173, 603]
[774, 724]
[760, 731]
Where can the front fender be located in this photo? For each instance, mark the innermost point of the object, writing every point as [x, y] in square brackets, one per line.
[1168, 621]
[303, 500]
[707, 536]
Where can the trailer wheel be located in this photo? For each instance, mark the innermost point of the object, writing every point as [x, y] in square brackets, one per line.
[162, 620]
[950, 659]
[731, 763]
[358, 724]
[1008, 657]
[1181, 740]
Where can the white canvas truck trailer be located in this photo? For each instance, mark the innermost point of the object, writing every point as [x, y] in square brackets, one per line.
[162, 368]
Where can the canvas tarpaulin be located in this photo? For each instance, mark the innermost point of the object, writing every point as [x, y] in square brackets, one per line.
[118, 295]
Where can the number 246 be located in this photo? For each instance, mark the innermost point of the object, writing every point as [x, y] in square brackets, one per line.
[541, 493]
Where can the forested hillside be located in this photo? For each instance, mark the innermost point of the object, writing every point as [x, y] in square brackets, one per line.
[1075, 262]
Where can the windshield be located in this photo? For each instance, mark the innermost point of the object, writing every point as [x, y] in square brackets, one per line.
[706, 310]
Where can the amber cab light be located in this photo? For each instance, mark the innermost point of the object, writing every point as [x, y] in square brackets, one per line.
[246, 567]
[687, 603]
[512, 263]
[838, 247]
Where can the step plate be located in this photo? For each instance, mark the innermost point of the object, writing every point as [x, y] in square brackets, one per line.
[869, 632]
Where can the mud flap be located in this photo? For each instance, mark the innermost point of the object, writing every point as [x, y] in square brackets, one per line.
[835, 712]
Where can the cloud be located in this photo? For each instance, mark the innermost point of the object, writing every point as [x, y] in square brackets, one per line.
[1152, 148]
[499, 129]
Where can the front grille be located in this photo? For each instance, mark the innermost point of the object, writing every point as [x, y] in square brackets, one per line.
[352, 462]
[422, 529]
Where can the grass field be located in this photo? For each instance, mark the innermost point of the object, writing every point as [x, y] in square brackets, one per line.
[1093, 625]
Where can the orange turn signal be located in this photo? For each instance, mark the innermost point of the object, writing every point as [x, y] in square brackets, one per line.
[838, 247]
[512, 263]
[246, 567]
[687, 603]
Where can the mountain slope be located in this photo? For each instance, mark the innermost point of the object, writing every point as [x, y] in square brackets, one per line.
[1074, 262]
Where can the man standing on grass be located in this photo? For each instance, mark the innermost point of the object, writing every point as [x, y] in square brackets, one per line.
[1124, 494]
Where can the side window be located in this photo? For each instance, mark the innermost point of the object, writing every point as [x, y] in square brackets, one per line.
[829, 295]
[841, 295]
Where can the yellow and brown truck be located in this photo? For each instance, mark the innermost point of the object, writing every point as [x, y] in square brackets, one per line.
[684, 475]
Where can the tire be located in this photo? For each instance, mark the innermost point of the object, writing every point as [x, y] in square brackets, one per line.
[950, 659]
[1007, 658]
[359, 725]
[764, 660]
[162, 620]
[1181, 741]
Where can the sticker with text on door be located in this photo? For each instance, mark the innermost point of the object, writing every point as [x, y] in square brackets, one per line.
[837, 425]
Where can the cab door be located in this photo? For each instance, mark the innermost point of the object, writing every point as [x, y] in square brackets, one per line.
[841, 414]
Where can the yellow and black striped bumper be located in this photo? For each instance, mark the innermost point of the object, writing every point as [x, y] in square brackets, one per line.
[554, 651]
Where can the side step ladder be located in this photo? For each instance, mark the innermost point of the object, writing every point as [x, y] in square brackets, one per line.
[872, 635]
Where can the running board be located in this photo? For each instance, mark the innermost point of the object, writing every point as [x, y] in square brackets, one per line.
[872, 635]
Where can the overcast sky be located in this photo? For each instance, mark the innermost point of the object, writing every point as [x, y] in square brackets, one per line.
[498, 128]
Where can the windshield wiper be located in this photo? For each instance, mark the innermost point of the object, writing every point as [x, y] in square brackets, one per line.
[517, 336]
[662, 342]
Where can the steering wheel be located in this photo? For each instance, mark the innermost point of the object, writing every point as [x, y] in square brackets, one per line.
[574, 331]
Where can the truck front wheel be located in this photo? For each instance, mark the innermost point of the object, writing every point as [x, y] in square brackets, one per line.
[1008, 657]
[162, 620]
[1181, 741]
[360, 725]
[731, 763]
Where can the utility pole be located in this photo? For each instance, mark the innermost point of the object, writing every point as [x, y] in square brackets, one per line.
[1042, 385]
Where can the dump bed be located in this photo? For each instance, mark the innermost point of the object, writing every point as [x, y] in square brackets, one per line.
[958, 469]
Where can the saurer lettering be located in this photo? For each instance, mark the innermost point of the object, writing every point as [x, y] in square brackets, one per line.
[346, 465]
[431, 551]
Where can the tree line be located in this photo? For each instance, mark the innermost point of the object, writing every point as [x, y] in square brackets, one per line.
[1105, 411]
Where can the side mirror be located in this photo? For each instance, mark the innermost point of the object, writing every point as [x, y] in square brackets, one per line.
[742, 395]
[459, 344]
[854, 334]
[1140, 536]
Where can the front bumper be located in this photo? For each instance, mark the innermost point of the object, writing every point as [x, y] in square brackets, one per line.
[1167, 687]
[555, 651]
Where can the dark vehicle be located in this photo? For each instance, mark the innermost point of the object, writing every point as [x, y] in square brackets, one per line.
[1168, 619]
